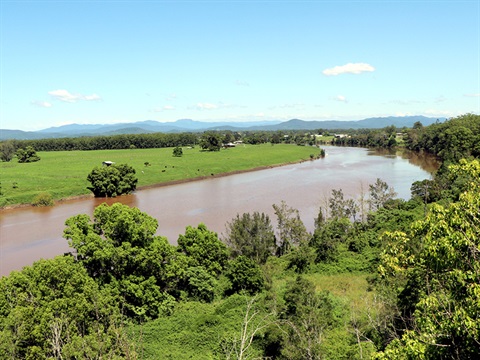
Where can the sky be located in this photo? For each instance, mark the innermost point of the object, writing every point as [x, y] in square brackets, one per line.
[101, 62]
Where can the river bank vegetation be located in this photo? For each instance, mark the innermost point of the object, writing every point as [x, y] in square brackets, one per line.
[379, 278]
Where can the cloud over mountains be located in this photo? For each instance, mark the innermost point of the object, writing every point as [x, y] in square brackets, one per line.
[66, 96]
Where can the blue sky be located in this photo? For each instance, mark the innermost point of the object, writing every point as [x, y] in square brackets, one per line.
[105, 62]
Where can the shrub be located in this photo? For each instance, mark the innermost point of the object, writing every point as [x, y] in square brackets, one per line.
[43, 199]
[27, 155]
[177, 151]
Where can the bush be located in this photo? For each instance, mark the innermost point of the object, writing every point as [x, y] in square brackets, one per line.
[27, 155]
[43, 199]
[177, 151]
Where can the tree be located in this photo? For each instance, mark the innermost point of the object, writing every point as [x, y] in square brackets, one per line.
[177, 151]
[251, 235]
[291, 229]
[27, 155]
[113, 180]
[340, 207]
[417, 125]
[440, 255]
[306, 318]
[119, 250]
[200, 284]
[211, 141]
[244, 275]
[328, 237]
[228, 137]
[53, 309]
[7, 151]
[203, 248]
[380, 193]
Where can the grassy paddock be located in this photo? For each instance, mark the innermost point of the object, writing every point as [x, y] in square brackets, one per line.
[63, 174]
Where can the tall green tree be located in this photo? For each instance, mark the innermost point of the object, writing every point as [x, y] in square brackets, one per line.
[251, 235]
[291, 230]
[119, 249]
[211, 141]
[203, 248]
[341, 207]
[113, 180]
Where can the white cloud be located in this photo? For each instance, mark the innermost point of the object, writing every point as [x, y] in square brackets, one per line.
[92, 97]
[66, 96]
[406, 102]
[206, 106]
[242, 83]
[44, 104]
[288, 106]
[341, 98]
[168, 107]
[472, 95]
[350, 68]
[63, 95]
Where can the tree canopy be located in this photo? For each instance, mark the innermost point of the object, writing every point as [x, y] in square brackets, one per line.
[439, 262]
[113, 180]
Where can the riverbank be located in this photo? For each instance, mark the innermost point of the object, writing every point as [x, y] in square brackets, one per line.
[167, 183]
[63, 174]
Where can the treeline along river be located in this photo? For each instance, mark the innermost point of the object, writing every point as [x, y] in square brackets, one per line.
[28, 234]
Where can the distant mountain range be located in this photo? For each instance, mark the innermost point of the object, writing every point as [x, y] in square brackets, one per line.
[187, 125]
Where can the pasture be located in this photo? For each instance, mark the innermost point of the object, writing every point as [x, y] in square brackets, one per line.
[63, 174]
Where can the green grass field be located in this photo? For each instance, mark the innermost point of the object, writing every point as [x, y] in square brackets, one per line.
[63, 174]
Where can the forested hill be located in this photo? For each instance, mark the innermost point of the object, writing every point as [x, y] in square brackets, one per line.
[186, 125]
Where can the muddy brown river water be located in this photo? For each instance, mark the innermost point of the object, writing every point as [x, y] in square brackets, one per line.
[29, 234]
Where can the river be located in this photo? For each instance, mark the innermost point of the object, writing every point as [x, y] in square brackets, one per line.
[28, 234]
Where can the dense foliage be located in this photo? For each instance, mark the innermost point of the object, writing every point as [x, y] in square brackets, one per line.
[209, 140]
[384, 138]
[434, 269]
[127, 141]
[264, 292]
[27, 155]
[112, 180]
[7, 151]
[451, 140]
